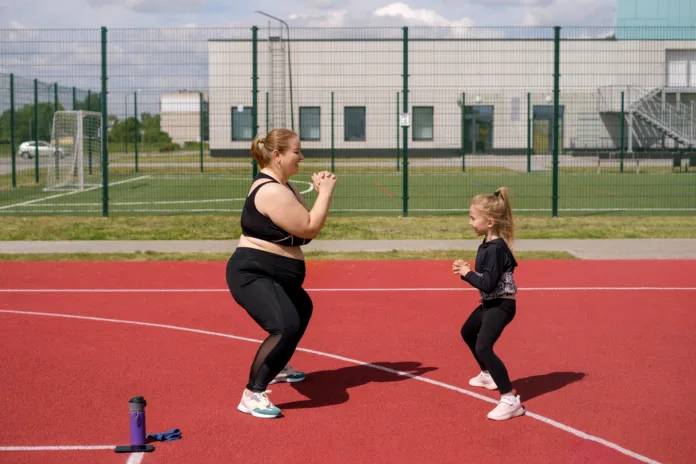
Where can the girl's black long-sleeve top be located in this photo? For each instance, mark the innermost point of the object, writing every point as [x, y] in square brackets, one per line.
[494, 267]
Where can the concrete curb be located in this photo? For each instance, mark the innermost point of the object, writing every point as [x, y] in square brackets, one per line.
[581, 248]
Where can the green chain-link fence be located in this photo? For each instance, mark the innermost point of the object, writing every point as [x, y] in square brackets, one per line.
[413, 120]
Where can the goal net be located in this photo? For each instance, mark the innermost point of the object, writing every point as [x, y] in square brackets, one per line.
[74, 161]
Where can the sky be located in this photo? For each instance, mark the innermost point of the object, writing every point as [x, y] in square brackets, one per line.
[36, 40]
[61, 14]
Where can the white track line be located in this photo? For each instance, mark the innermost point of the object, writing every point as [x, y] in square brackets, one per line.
[318, 290]
[132, 203]
[135, 458]
[74, 192]
[538, 417]
[57, 448]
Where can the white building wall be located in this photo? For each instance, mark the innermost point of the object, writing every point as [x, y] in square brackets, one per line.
[369, 73]
[180, 116]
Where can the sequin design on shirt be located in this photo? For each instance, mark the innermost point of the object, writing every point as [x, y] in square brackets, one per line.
[505, 287]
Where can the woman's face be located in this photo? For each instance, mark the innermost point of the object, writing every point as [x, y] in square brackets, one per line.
[290, 159]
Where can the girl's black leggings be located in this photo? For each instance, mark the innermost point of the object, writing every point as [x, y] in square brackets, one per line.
[482, 329]
[269, 288]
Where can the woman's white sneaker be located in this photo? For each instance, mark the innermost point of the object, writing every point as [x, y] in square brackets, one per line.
[289, 374]
[258, 405]
[483, 380]
[509, 407]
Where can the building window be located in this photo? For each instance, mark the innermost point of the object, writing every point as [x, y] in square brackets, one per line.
[515, 109]
[310, 123]
[681, 68]
[242, 123]
[422, 123]
[677, 74]
[354, 124]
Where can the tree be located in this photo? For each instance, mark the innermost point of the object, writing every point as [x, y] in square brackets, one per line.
[24, 122]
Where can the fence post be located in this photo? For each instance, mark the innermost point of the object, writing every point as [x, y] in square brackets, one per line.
[36, 131]
[463, 131]
[12, 133]
[254, 89]
[398, 151]
[556, 91]
[135, 128]
[405, 129]
[267, 129]
[622, 133]
[200, 123]
[74, 98]
[89, 139]
[333, 145]
[55, 109]
[104, 131]
[529, 132]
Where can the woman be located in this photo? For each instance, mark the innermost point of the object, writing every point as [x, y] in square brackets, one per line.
[266, 272]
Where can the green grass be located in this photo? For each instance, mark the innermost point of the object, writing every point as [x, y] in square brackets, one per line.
[193, 227]
[310, 256]
[430, 190]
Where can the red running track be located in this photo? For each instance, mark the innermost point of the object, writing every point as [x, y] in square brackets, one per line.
[603, 360]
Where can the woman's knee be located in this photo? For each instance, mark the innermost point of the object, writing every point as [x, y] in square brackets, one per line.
[291, 330]
[304, 306]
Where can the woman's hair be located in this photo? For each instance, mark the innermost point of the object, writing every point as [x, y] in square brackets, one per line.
[262, 147]
[497, 207]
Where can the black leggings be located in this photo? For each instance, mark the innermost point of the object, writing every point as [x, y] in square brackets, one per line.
[482, 329]
[269, 288]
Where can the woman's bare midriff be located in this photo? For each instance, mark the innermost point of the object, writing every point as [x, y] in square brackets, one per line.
[294, 252]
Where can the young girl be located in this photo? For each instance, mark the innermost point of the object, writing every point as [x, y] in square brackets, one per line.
[491, 216]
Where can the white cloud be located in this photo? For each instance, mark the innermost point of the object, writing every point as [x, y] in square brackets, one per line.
[149, 6]
[328, 19]
[392, 15]
[325, 4]
[536, 17]
[419, 16]
[512, 3]
[17, 25]
[570, 13]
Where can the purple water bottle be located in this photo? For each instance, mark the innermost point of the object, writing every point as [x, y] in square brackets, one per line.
[137, 420]
[138, 436]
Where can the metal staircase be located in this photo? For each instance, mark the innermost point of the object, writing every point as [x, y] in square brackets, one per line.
[653, 117]
[675, 120]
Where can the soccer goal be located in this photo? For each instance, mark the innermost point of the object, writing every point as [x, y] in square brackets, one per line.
[74, 161]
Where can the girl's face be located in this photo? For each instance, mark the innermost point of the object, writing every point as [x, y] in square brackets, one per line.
[479, 221]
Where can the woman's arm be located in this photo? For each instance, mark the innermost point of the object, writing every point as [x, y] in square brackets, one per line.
[282, 206]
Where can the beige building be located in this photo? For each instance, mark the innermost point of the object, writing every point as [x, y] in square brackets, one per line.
[507, 87]
[181, 115]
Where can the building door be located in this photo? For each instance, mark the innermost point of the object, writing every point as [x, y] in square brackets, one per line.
[542, 128]
[478, 127]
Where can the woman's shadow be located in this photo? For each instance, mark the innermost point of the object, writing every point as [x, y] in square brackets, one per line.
[326, 388]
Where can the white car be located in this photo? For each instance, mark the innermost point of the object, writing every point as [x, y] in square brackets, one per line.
[28, 149]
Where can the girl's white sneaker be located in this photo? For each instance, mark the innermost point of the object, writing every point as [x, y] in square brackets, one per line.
[509, 407]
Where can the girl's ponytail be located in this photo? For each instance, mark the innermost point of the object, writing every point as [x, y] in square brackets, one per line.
[506, 225]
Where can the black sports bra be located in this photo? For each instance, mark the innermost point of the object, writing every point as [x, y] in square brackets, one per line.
[257, 225]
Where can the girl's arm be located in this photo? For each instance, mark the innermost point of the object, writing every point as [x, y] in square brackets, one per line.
[486, 278]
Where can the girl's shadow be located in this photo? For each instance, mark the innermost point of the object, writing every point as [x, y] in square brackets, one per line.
[326, 388]
[537, 385]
